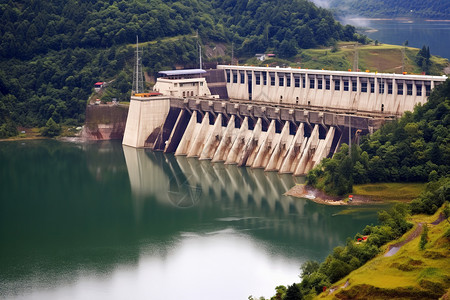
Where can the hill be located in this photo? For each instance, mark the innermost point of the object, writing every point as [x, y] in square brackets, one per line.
[438, 9]
[414, 272]
[372, 56]
[52, 52]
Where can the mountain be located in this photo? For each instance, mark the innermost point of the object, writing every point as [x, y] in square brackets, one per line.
[436, 9]
[52, 52]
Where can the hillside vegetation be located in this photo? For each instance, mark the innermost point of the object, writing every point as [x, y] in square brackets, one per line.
[437, 9]
[373, 57]
[414, 272]
[52, 52]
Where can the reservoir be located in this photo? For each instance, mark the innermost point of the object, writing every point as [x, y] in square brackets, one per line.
[432, 33]
[104, 221]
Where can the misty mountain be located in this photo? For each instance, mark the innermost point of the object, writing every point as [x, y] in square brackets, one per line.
[436, 9]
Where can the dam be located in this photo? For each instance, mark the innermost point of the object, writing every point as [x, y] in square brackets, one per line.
[278, 119]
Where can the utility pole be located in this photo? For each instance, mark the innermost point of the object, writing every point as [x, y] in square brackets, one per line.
[232, 53]
[138, 78]
[200, 55]
[355, 59]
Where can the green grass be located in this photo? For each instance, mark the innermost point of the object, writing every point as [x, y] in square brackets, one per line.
[389, 191]
[380, 58]
[411, 273]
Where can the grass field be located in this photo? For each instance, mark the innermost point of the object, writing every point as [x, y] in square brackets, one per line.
[387, 192]
[373, 58]
[411, 273]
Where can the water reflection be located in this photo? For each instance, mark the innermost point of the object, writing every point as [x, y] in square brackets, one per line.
[94, 221]
[245, 199]
[180, 181]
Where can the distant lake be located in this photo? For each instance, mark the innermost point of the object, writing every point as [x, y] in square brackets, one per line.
[432, 33]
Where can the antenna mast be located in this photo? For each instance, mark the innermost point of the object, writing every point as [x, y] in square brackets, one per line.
[355, 59]
[138, 78]
[232, 52]
[200, 54]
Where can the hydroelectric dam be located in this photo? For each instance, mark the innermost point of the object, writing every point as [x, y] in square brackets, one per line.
[279, 119]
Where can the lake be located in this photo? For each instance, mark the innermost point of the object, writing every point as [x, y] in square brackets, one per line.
[103, 221]
[432, 33]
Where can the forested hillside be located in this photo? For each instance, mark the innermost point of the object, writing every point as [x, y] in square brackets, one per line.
[415, 148]
[436, 9]
[52, 52]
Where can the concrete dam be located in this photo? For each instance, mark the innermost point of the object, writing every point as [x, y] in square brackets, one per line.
[279, 119]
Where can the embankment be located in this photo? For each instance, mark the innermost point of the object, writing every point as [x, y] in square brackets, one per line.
[105, 122]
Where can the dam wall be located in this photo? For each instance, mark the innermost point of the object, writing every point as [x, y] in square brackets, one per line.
[341, 91]
[277, 119]
[280, 139]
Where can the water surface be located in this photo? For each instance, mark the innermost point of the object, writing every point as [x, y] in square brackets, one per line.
[102, 221]
[418, 32]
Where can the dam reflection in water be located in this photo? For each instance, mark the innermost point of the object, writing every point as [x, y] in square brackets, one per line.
[102, 221]
[249, 199]
[182, 181]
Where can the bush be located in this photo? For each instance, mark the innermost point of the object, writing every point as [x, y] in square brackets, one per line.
[423, 237]
[51, 129]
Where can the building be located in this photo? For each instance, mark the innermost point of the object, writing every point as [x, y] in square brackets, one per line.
[339, 91]
[182, 83]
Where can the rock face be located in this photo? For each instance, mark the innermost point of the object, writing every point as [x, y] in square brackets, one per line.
[105, 122]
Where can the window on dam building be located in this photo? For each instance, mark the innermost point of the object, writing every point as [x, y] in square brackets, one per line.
[264, 74]
[242, 77]
[346, 85]
[281, 81]
[380, 86]
[364, 87]
[257, 78]
[390, 88]
[272, 79]
[228, 76]
[354, 85]
[337, 84]
[311, 83]
[372, 87]
[297, 82]
[234, 77]
[409, 89]
[419, 89]
[319, 84]
[327, 84]
[400, 88]
[288, 80]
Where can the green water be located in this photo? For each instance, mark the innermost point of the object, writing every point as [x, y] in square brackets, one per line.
[100, 221]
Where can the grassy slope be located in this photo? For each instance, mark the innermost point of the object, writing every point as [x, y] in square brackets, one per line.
[380, 58]
[409, 274]
[391, 191]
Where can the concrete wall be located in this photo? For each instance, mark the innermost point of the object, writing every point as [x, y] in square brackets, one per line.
[359, 92]
[144, 116]
[105, 122]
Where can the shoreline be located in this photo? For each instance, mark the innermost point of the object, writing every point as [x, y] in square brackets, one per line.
[320, 197]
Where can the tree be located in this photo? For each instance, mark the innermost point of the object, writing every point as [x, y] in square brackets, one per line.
[423, 59]
[293, 293]
[309, 267]
[51, 129]
[287, 49]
